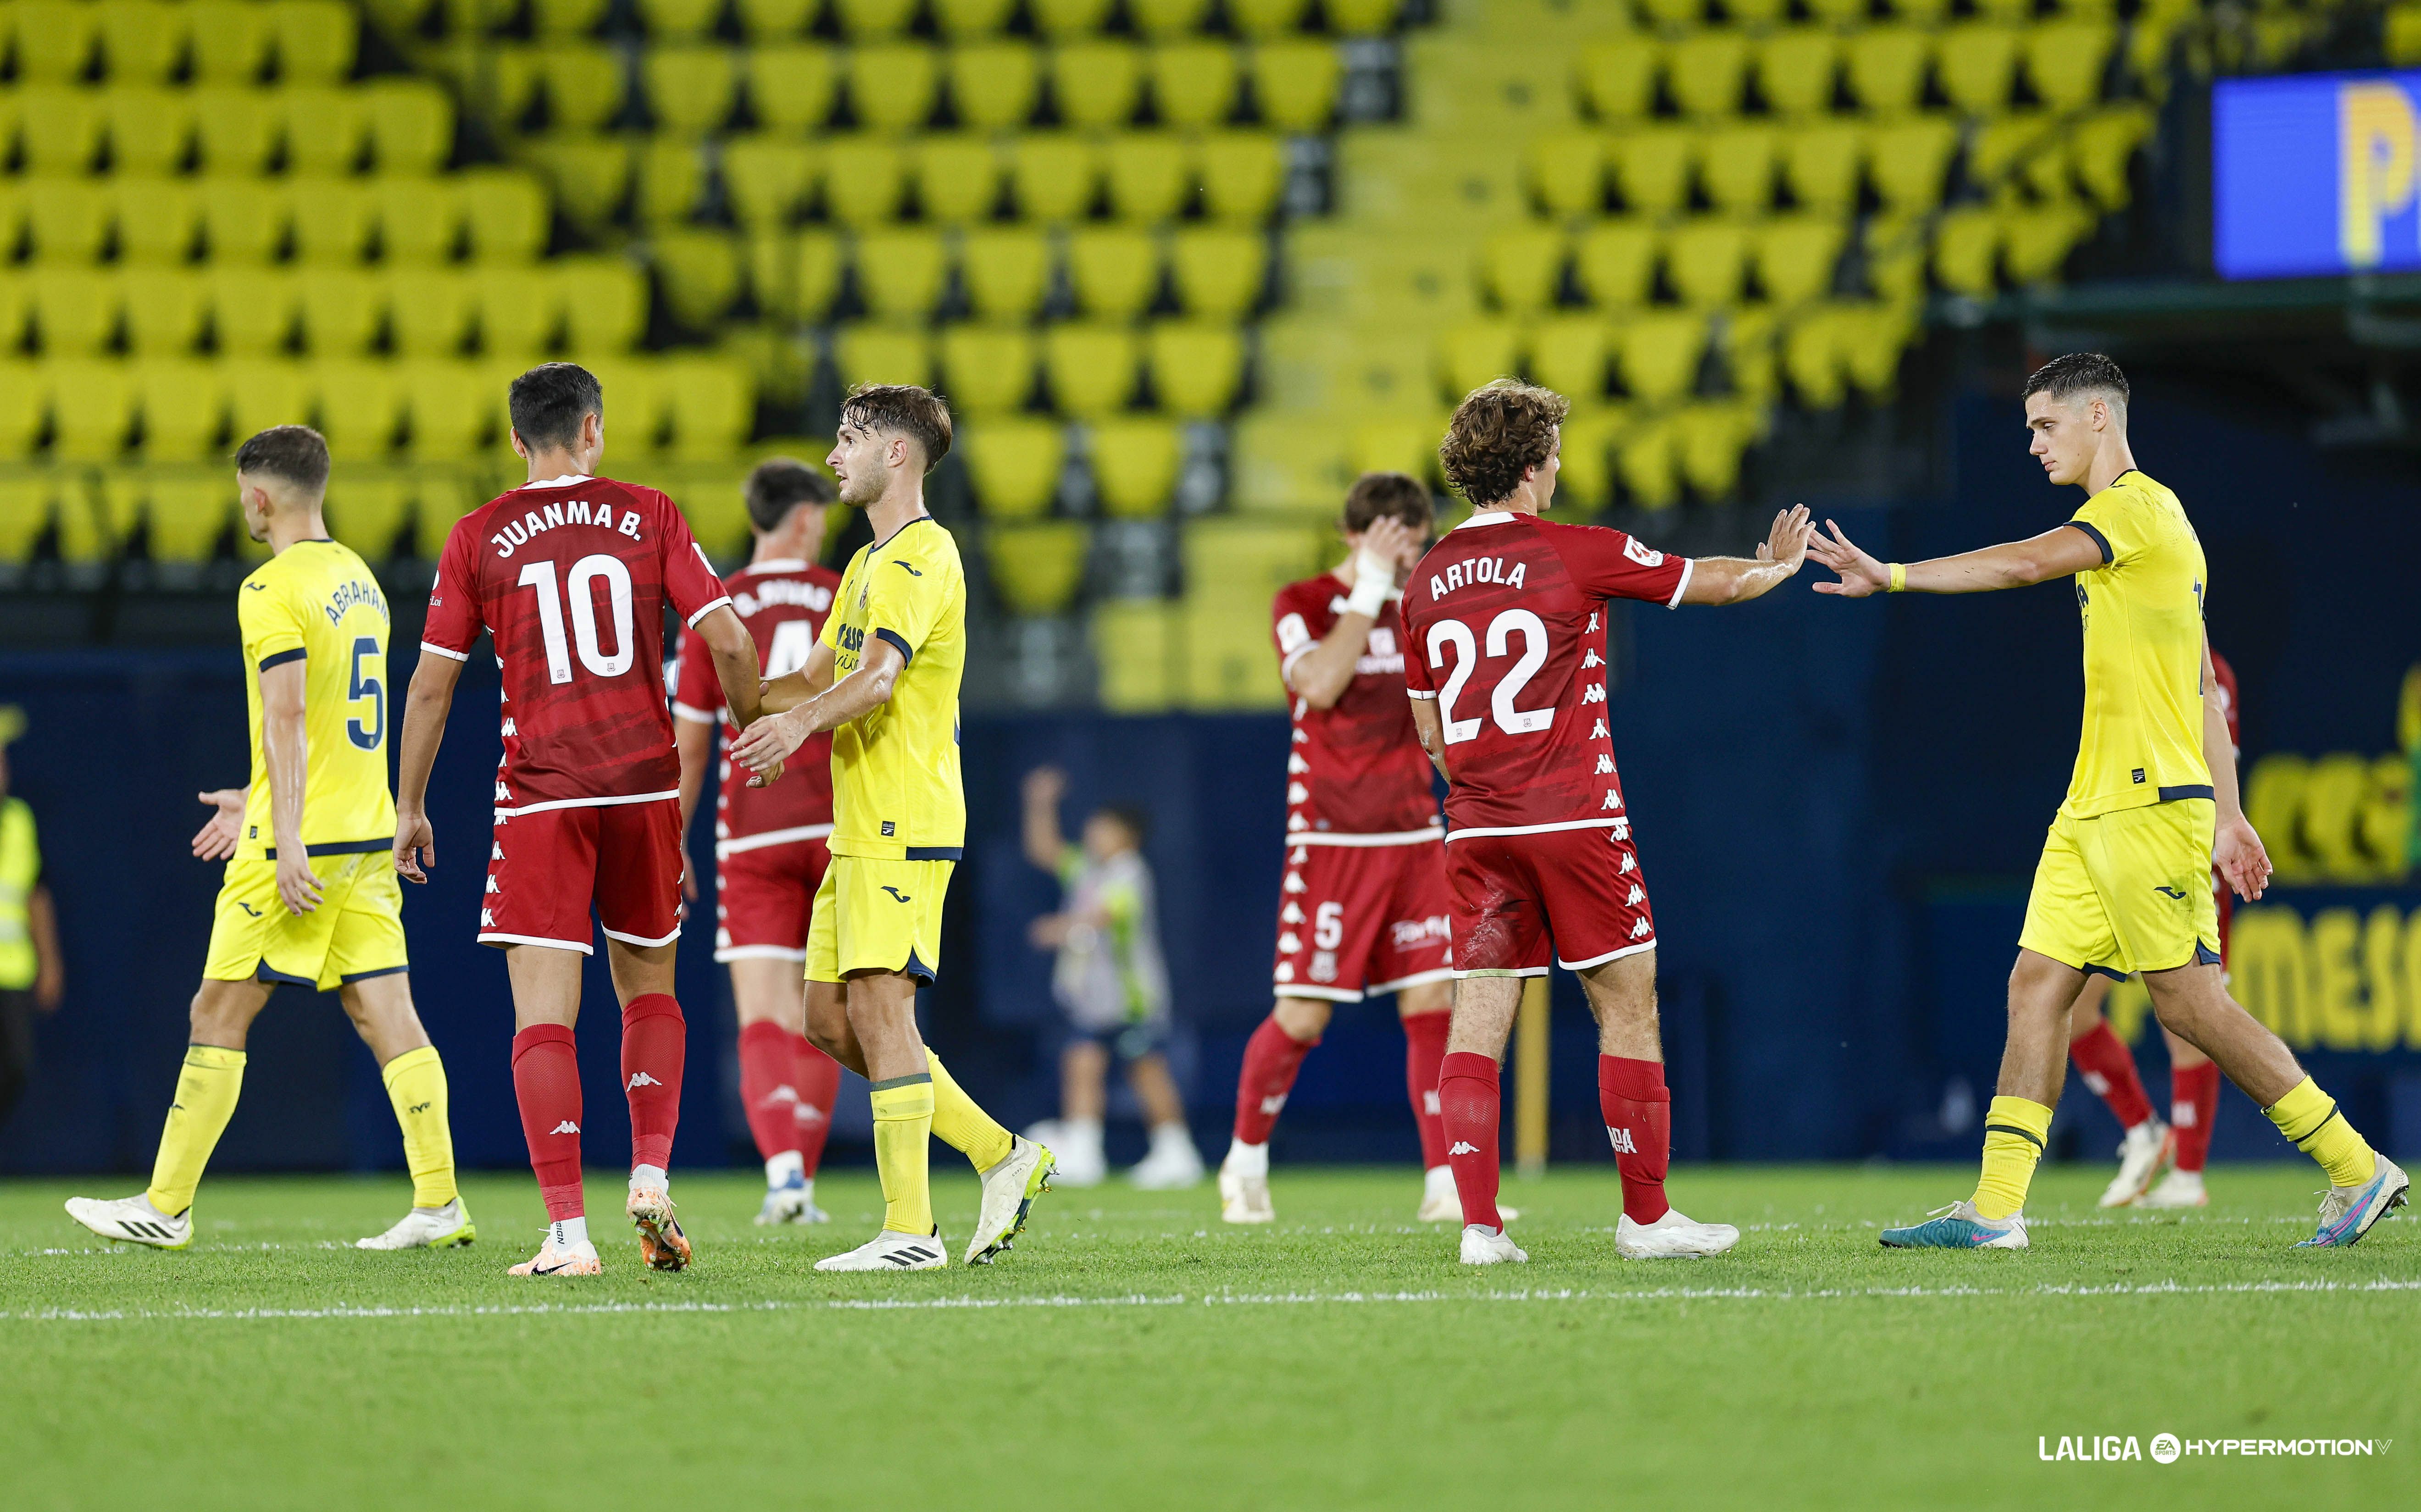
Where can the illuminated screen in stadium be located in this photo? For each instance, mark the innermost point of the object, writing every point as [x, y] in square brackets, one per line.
[2315, 175]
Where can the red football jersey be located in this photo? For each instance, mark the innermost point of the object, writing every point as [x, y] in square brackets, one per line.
[1356, 767]
[1505, 617]
[2225, 677]
[784, 604]
[571, 577]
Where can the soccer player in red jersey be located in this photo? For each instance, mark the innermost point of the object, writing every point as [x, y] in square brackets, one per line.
[770, 842]
[571, 574]
[1505, 660]
[2181, 1148]
[1363, 909]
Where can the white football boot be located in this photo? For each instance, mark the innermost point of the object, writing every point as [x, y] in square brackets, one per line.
[2178, 1189]
[426, 1228]
[559, 1257]
[1174, 1162]
[132, 1220]
[889, 1251]
[1672, 1236]
[793, 1203]
[1245, 1199]
[1487, 1246]
[1009, 1188]
[1440, 1203]
[2148, 1151]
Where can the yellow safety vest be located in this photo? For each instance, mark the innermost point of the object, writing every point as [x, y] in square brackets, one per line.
[20, 866]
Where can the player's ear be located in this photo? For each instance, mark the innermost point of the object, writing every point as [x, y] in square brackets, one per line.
[521, 447]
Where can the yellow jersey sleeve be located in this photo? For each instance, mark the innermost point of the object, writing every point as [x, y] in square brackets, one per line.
[907, 586]
[271, 622]
[2115, 518]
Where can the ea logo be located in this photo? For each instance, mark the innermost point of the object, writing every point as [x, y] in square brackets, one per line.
[2164, 1448]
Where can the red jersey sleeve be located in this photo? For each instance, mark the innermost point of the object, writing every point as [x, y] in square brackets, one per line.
[698, 693]
[1607, 563]
[1297, 623]
[690, 580]
[1420, 679]
[454, 619]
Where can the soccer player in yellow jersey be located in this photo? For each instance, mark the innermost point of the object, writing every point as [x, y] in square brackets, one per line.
[2152, 809]
[884, 678]
[309, 896]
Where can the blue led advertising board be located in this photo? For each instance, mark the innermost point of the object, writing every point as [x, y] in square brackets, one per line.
[2313, 174]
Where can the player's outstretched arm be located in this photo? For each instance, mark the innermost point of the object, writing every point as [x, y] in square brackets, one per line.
[769, 742]
[1320, 676]
[216, 840]
[1044, 788]
[781, 694]
[2236, 850]
[1719, 579]
[423, 726]
[2060, 552]
[735, 663]
[285, 751]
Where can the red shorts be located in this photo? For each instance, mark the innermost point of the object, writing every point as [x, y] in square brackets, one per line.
[546, 868]
[1362, 921]
[1514, 895]
[763, 894]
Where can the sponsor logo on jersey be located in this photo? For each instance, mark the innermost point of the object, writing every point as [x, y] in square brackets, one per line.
[2170, 891]
[1410, 934]
[898, 893]
[911, 571]
[1641, 555]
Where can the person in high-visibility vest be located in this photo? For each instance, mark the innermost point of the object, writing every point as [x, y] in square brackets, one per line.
[31, 976]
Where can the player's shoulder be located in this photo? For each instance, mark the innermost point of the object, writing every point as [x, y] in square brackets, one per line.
[1308, 597]
[920, 548]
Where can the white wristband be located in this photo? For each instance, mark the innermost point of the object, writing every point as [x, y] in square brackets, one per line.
[1372, 582]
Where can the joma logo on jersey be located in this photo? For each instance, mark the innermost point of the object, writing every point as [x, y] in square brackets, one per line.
[1478, 570]
[569, 512]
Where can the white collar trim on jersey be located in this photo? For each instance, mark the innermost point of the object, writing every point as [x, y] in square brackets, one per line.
[1487, 517]
[564, 482]
[785, 564]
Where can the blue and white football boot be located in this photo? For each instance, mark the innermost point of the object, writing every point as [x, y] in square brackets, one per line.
[2348, 1212]
[1959, 1227]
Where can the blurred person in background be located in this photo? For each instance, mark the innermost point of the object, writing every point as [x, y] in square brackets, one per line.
[31, 975]
[1113, 984]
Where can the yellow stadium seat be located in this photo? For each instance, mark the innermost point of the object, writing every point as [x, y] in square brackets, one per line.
[1977, 64]
[1148, 174]
[2102, 146]
[791, 86]
[343, 309]
[1708, 441]
[184, 511]
[773, 258]
[263, 392]
[1895, 256]
[1116, 273]
[775, 21]
[1522, 266]
[987, 369]
[1617, 261]
[1136, 647]
[679, 20]
[900, 274]
[16, 307]
[24, 502]
[1705, 72]
[430, 310]
[1676, 14]
[1037, 568]
[1618, 76]
[2039, 238]
[1091, 368]
[971, 17]
[671, 179]
[767, 179]
[699, 274]
[370, 511]
[585, 85]
[1014, 465]
[361, 407]
[958, 177]
[244, 219]
[1569, 355]
[1478, 352]
[1059, 19]
[1746, 345]
[1909, 160]
[92, 406]
[1194, 83]
[1169, 18]
[882, 355]
[68, 218]
[1796, 69]
[864, 19]
[1196, 368]
[75, 309]
[54, 39]
[1242, 175]
[519, 313]
[993, 85]
[1934, 12]
[59, 128]
[1056, 175]
[1796, 256]
[507, 86]
[231, 40]
[1821, 162]
[604, 304]
[1966, 246]
[636, 403]
[1361, 17]
[590, 175]
[505, 212]
[420, 220]
[317, 39]
[449, 408]
[865, 179]
[1007, 273]
[165, 310]
[892, 85]
[1136, 464]
[1584, 480]
[1887, 67]
[1874, 338]
[1660, 353]
[1267, 18]
[689, 88]
[411, 125]
[1735, 165]
[1220, 274]
[1706, 258]
[2064, 61]
[1396, 443]
[713, 406]
[1653, 165]
[157, 219]
[2014, 145]
[252, 310]
[184, 404]
[1644, 460]
[1097, 84]
[1568, 172]
[326, 129]
[1296, 83]
[151, 130]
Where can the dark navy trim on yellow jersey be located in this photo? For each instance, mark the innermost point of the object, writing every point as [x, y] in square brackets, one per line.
[920, 520]
[898, 642]
[2205, 956]
[278, 658]
[2171, 795]
[2026, 1134]
[932, 852]
[919, 970]
[352, 977]
[2099, 540]
[266, 973]
[338, 848]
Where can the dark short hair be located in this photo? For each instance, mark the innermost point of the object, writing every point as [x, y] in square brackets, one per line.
[779, 484]
[1131, 817]
[1380, 495]
[904, 410]
[2064, 378]
[549, 400]
[1499, 432]
[297, 454]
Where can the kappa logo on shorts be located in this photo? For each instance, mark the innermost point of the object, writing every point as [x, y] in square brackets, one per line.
[898, 893]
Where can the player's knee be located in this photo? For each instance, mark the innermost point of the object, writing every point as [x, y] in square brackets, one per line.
[1304, 1019]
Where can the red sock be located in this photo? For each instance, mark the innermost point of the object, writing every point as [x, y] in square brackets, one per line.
[818, 1078]
[1424, 1048]
[546, 1084]
[653, 1045]
[1467, 1106]
[2108, 1068]
[1271, 1059]
[769, 1087]
[1639, 1121]
[2194, 1103]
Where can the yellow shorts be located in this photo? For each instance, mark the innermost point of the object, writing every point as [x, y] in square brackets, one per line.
[2127, 891]
[877, 917]
[356, 931]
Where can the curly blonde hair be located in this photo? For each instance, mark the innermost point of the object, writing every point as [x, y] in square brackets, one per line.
[1498, 433]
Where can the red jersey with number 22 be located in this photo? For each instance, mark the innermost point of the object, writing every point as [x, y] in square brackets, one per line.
[1505, 621]
[571, 577]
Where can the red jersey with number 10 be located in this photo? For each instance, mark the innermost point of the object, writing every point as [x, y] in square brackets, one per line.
[1356, 767]
[1505, 617]
[784, 604]
[571, 577]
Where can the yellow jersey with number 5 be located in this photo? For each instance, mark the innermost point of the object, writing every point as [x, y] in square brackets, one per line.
[2143, 613]
[318, 603]
[895, 788]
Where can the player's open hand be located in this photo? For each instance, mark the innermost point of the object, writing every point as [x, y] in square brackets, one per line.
[1046, 785]
[2243, 861]
[1787, 541]
[298, 886]
[769, 742]
[416, 845]
[1860, 574]
[1393, 542]
[217, 840]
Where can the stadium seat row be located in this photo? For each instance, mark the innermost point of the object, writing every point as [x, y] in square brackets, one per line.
[597, 305]
[1016, 464]
[498, 215]
[150, 42]
[874, 19]
[690, 90]
[2030, 242]
[1689, 14]
[1658, 354]
[1706, 261]
[394, 125]
[1087, 370]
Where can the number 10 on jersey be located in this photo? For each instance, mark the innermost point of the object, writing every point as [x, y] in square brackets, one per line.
[579, 586]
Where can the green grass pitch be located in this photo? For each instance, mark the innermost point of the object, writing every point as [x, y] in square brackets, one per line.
[1134, 1353]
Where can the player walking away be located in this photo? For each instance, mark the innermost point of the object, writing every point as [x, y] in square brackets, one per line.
[2181, 1147]
[2151, 809]
[309, 896]
[33, 977]
[1505, 665]
[571, 574]
[1112, 982]
[1362, 912]
[769, 842]
[883, 680]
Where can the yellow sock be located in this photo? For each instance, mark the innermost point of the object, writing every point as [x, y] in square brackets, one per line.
[415, 1083]
[206, 1092]
[903, 1130]
[961, 1123]
[2014, 1131]
[2309, 1117]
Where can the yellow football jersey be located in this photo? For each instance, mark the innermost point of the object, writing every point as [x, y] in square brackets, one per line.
[2142, 608]
[318, 603]
[895, 791]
